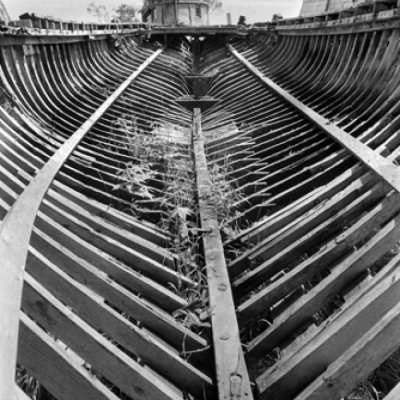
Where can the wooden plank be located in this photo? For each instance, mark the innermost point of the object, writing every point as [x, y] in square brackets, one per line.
[294, 228]
[365, 288]
[231, 371]
[296, 209]
[283, 254]
[91, 308]
[58, 371]
[97, 256]
[20, 395]
[141, 310]
[340, 277]
[329, 253]
[113, 216]
[292, 374]
[394, 394]
[380, 165]
[100, 353]
[99, 224]
[361, 359]
[15, 232]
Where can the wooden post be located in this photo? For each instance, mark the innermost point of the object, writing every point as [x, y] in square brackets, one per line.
[196, 55]
[231, 372]
[176, 13]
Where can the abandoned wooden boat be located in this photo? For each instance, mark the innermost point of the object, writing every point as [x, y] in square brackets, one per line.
[200, 212]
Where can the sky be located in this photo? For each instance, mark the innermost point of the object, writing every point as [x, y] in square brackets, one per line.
[75, 10]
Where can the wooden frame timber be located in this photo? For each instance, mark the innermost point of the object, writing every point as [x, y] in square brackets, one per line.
[232, 376]
[223, 225]
[15, 233]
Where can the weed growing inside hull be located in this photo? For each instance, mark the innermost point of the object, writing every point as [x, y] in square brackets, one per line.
[380, 382]
[164, 154]
[31, 386]
[224, 195]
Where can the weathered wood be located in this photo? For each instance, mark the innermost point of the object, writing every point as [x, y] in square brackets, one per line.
[381, 166]
[100, 353]
[231, 372]
[97, 254]
[282, 251]
[117, 233]
[394, 394]
[91, 308]
[293, 229]
[365, 287]
[15, 232]
[58, 371]
[20, 395]
[360, 360]
[141, 310]
[341, 275]
[290, 375]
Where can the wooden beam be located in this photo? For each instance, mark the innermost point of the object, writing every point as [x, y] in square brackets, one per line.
[138, 340]
[361, 359]
[291, 375]
[232, 375]
[97, 350]
[141, 310]
[60, 371]
[15, 233]
[394, 394]
[20, 395]
[380, 165]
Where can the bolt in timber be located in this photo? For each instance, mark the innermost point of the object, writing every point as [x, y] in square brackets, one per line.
[232, 375]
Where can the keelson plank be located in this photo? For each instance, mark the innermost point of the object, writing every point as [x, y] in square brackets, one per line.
[231, 372]
[16, 229]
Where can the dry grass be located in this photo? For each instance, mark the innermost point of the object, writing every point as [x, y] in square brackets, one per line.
[380, 382]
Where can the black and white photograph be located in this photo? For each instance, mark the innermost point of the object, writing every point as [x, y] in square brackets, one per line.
[200, 200]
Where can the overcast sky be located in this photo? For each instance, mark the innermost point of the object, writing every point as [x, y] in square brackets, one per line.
[254, 10]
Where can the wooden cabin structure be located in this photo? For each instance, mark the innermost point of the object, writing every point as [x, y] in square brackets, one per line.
[201, 212]
[176, 12]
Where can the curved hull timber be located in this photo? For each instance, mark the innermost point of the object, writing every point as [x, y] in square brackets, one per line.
[214, 218]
